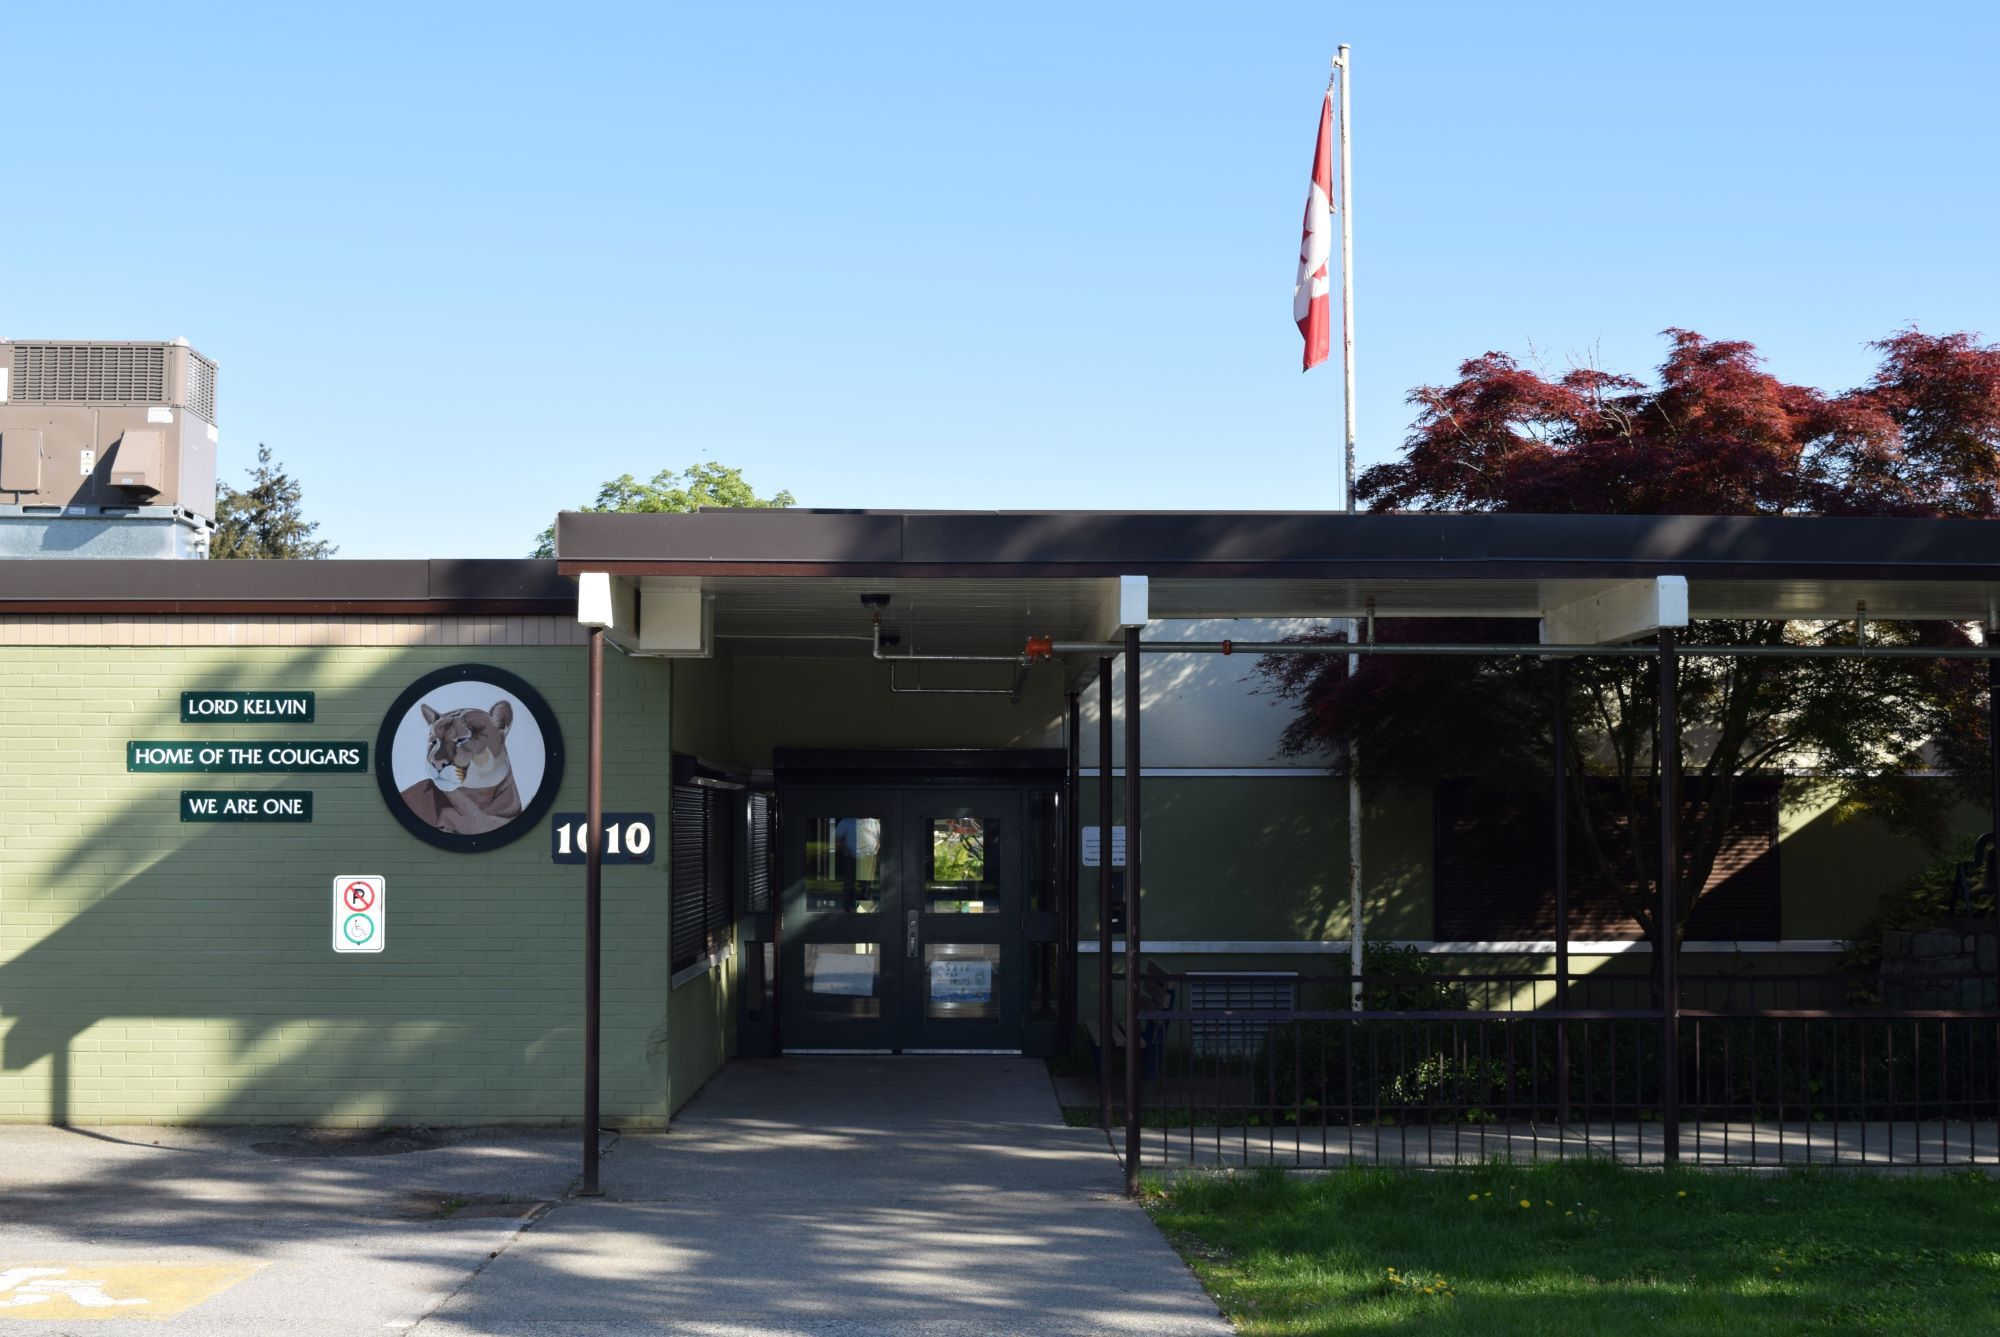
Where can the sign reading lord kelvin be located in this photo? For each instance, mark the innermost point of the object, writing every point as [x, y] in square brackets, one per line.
[247, 707]
[151, 755]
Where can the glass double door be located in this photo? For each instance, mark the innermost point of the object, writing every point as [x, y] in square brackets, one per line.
[903, 915]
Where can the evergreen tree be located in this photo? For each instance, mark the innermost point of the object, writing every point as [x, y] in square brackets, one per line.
[264, 519]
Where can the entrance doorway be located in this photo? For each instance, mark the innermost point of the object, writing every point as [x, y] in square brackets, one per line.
[919, 918]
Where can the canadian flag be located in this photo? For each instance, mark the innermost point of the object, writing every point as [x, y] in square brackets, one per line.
[1310, 303]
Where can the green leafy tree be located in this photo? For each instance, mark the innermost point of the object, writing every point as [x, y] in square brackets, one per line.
[265, 519]
[698, 485]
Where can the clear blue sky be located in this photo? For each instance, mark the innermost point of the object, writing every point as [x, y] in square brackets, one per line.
[461, 264]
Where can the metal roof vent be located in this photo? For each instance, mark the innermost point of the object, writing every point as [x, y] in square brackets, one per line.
[171, 374]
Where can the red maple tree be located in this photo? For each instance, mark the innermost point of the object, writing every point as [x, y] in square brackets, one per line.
[1714, 433]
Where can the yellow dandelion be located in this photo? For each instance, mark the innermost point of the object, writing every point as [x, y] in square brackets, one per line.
[1682, 1194]
[1546, 1202]
[1489, 1192]
[1569, 1213]
[1526, 1203]
[1472, 1197]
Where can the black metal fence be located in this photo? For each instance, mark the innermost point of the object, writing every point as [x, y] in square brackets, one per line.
[1439, 1069]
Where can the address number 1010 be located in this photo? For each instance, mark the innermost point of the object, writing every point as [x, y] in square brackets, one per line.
[628, 837]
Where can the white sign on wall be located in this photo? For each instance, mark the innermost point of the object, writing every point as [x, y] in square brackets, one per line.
[1091, 844]
[360, 912]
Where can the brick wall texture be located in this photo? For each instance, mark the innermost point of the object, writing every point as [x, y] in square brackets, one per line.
[152, 970]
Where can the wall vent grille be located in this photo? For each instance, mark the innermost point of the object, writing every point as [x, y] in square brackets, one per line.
[94, 373]
[1235, 1037]
[200, 399]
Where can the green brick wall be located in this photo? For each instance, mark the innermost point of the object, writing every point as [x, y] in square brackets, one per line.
[152, 970]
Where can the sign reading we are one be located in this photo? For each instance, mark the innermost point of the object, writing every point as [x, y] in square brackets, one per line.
[240, 805]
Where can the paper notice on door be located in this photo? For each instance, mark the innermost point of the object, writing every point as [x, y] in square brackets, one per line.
[848, 974]
[962, 981]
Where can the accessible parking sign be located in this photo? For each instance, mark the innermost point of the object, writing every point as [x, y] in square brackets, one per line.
[360, 912]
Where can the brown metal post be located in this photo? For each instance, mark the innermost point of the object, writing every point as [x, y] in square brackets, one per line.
[1559, 740]
[1072, 856]
[1104, 893]
[1133, 894]
[1667, 947]
[593, 908]
[1993, 775]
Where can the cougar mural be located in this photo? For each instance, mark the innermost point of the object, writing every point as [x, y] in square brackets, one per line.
[471, 786]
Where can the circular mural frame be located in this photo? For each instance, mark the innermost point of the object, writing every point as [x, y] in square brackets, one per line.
[454, 815]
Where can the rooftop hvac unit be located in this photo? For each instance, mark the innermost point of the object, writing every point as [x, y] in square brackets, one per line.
[105, 432]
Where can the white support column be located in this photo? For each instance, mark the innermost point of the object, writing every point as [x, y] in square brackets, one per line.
[666, 622]
[1624, 611]
[1127, 602]
[609, 604]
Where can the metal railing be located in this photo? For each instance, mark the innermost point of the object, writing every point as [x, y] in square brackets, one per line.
[1455, 1068]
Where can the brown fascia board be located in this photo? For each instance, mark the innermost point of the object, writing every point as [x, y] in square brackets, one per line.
[1310, 545]
[440, 586]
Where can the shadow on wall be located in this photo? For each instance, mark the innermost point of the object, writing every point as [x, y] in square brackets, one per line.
[469, 1015]
[1200, 709]
[1260, 858]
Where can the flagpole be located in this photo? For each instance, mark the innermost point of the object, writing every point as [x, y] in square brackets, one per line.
[1340, 66]
[1355, 934]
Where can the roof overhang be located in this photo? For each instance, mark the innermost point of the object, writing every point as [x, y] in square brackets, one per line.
[791, 581]
[1314, 546]
[414, 588]
[984, 581]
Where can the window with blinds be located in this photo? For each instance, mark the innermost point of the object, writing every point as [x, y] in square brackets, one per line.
[1495, 867]
[721, 841]
[701, 907]
[757, 877]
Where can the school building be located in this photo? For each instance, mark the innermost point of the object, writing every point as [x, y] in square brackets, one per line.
[307, 841]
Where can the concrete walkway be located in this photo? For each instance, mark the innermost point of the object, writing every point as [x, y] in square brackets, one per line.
[848, 1195]
[802, 1196]
[207, 1231]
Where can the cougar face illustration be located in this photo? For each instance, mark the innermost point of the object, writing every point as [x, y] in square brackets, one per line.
[470, 788]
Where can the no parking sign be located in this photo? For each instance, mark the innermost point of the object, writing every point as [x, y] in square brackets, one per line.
[360, 913]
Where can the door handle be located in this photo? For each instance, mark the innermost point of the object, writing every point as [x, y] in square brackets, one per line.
[910, 938]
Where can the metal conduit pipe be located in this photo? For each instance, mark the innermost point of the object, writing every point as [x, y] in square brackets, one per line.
[1012, 692]
[940, 659]
[1505, 648]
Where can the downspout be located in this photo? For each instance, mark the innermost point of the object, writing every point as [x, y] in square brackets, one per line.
[1104, 893]
[1356, 929]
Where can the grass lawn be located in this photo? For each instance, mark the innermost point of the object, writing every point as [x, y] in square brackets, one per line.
[1590, 1247]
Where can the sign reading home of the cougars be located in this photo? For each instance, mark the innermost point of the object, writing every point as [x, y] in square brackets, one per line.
[173, 755]
[246, 707]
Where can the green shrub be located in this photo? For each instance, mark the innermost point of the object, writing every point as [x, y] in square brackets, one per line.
[1923, 901]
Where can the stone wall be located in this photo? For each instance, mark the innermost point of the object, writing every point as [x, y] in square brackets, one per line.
[1950, 966]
